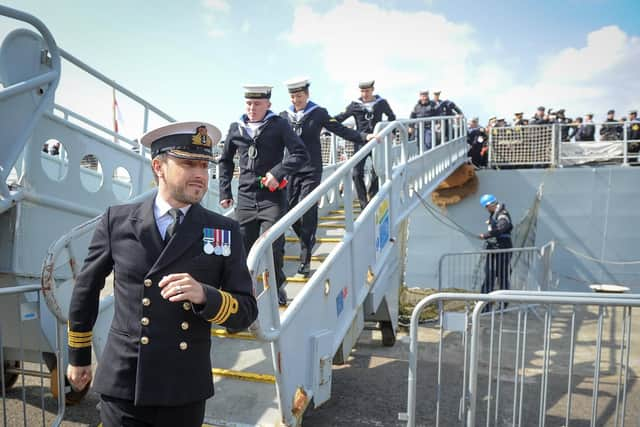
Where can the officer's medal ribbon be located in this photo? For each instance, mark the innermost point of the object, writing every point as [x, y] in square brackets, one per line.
[207, 240]
[226, 242]
[218, 247]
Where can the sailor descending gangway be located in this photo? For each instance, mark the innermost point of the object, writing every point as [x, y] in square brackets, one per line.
[270, 374]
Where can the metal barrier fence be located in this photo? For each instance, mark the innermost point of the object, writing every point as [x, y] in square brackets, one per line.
[557, 145]
[23, 400]
[570, 365]
[516, 268]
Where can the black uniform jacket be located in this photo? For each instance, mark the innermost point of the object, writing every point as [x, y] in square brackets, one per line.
[157, 351]
[279, 151]
[447, 108]
[500, 227]
[367, 120]
[309, 126]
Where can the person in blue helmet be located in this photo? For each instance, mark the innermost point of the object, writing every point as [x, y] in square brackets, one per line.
[498, 237]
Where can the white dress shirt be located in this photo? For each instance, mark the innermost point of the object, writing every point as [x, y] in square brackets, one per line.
[161, 213]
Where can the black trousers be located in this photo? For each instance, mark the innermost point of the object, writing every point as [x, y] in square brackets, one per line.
[300, 186]
[358, 180]
[123, 413]
[256, 220]
[496, 267]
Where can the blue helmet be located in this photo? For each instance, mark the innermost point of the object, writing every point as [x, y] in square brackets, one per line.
[487, 199]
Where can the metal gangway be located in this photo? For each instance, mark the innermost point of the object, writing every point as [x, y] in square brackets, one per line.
[268, 375]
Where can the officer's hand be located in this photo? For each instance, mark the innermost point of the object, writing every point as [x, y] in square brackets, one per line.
[226, 203]
[182, 287]
[271, 182]
[79, 376]
[371, 136]
[482, 235]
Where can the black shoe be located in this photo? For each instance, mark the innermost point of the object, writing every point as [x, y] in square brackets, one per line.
[304, 270]
[282, 297]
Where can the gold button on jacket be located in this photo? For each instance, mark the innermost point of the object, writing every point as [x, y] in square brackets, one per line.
[147, 283]
[186, 306]
[183, 346]
[144, 340]
[144, 321]
[146, 302]
[184, 326]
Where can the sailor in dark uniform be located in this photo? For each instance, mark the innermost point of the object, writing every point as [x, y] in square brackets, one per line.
[518, 119]
[367, 112]
[498, 237]
[477, 141]
[424, 108]
[308, 120]
[178, 268]
[268, 152]
[445, 108]
[633, 132]
[611, 129]
[587, 131]
[539, 118]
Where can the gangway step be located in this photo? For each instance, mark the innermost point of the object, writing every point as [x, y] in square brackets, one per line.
[292, 239]
[223, 333]
[341, 211]
[329, 225]
[332, 218]
[291, 279]
[318, 258]
[244, 376]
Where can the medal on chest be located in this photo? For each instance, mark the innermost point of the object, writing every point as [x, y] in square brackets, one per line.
[207, 240]
[226, 242]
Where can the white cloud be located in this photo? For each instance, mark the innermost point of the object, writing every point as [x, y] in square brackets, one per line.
[217, 5]
[408, 51]
[215, 12]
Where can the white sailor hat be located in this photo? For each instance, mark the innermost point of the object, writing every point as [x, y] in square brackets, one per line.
[257, 91]
[437, 92]
[186, 140]
[297, 85]
[424, 92]
[366, 84]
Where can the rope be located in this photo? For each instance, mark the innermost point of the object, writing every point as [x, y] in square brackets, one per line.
[438, 217]
[599, 261]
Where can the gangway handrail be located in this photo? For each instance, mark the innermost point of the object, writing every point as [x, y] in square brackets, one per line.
[110, 82]
[52, 78]
[262, 248]
[47, 280]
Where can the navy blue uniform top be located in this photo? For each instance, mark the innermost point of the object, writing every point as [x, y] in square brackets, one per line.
[309, 127]
[500, 227]
[447, 108]
[633, 133]
[279, 151]
[157, 351]
[427, 109]
[366, 120]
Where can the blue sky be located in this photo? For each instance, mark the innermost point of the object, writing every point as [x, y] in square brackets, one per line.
[190, 58]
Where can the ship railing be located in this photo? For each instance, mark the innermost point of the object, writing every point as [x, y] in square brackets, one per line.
[116, 89]
[327, 307]
[44, 83]
[30, 403]
[489, 366]
[555, 145]
[528, 268]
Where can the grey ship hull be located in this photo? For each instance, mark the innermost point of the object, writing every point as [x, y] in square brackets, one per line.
[590, 210]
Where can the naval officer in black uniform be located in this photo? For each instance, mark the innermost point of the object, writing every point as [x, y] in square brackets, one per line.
[269, 151]
[307, 120]
[367, 112]
[178, 268]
